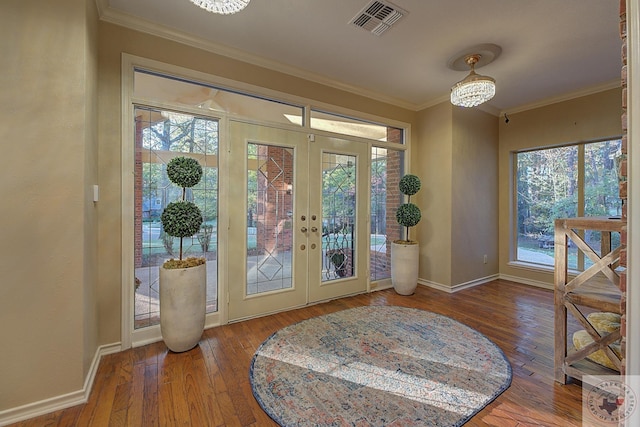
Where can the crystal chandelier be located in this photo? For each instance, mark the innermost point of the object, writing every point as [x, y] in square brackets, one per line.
[224, 7]
[474, 89]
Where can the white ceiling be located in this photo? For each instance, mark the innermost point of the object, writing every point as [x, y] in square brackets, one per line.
[551, 49]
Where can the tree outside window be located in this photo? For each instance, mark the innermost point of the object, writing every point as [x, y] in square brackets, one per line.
[564, 182]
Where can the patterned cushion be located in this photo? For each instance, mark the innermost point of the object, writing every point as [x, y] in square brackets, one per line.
[603, 323]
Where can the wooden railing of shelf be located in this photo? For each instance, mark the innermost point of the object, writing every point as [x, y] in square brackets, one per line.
[597, 288]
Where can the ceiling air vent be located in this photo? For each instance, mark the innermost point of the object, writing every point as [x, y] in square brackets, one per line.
[378, 16]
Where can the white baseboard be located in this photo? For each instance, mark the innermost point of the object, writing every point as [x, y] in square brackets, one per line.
[536, 283]
[458, 287]
[144, 336]
[380, 285]
[35, 409]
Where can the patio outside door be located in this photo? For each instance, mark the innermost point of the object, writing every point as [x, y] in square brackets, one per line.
[298, 221]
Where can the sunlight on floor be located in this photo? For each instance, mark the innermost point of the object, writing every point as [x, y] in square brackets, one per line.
[408, 386]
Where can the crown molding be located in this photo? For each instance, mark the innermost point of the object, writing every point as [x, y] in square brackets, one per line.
[436, 101]
[108, 14]
[564, 97]
[486, 107]
[101, 5]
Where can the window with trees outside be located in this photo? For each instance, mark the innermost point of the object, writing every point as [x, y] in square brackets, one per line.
[564, 182]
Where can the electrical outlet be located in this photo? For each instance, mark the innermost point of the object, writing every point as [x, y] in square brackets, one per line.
[485, 258]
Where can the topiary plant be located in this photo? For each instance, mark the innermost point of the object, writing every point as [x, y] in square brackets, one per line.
[408, 214]
[182, 218]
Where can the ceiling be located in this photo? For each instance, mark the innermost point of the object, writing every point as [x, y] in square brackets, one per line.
[551, 49]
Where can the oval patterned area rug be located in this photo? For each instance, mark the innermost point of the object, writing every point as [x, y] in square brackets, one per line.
[377, 366]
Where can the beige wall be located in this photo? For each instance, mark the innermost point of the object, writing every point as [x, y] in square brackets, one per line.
[583, 119]
[91, 178]
[48, 225]
[432, 162]
[456, 157]
[474, 212]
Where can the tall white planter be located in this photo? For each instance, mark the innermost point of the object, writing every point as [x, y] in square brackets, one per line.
[183, 298]
[404, 267]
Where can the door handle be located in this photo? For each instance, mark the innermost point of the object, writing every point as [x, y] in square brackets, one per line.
[303, 229]
[314, 229]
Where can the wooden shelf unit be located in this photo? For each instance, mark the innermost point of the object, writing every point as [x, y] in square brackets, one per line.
[596, 288]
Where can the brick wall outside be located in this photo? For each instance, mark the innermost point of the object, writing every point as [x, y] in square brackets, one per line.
[380, 265]
[394, 198]
[273, 224]
[623, 183]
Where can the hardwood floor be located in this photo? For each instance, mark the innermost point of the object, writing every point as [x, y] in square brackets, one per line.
[209, 385]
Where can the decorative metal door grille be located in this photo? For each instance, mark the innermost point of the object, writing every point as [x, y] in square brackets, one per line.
[338, 215]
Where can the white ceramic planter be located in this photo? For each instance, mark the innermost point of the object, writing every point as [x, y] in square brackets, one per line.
[183, 296]
[404, 267]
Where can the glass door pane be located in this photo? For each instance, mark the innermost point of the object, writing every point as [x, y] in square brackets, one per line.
[338, 236]
[297, 219]
[267, 248]
[338, 215]
[269, 218]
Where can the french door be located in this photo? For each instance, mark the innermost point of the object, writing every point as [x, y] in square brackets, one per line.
[298, 219]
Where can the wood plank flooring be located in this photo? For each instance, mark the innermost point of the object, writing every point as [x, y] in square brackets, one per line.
[209, 385]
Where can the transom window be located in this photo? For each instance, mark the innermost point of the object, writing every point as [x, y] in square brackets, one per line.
[331, 122]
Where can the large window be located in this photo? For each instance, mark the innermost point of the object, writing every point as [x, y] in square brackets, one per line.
[570, 181]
